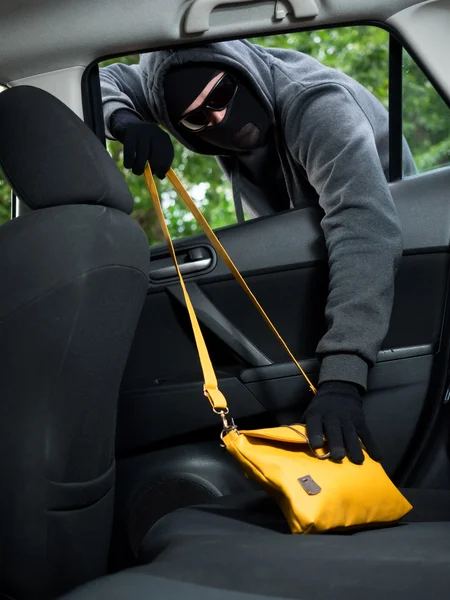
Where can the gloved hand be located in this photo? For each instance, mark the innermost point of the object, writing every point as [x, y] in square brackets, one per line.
[142, 142]
[336, 412]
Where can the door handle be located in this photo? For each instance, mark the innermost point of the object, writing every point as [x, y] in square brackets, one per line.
[186, 269]
[197, 15]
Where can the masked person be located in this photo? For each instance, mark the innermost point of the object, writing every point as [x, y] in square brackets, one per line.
[288, 132]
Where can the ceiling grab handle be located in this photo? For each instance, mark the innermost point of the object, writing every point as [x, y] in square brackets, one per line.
[199, 11]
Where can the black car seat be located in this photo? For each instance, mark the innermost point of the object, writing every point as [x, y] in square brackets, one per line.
[239, 548]
[250, 536]
[74, 274]
[138, 584]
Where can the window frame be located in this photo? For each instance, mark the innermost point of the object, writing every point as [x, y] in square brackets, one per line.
[395, 94]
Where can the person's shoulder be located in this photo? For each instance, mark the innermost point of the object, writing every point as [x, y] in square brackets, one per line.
[326, 110]
[323, 99]
[298, 67]
[297, 75]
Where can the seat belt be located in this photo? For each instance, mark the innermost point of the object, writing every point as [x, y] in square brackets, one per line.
[237, 197]
[217, 400]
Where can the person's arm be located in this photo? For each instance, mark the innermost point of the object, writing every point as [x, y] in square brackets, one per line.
[335, 144]
[128, 118]
[121, 87]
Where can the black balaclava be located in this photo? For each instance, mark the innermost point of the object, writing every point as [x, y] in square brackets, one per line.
[246, 122]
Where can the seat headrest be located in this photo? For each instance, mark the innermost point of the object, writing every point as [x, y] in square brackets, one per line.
[51, 158]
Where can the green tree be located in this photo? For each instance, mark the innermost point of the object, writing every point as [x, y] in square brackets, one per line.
[425, 119]
[205, 181]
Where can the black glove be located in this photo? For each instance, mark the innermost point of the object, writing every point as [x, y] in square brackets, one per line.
[142, 142]
[336, 412]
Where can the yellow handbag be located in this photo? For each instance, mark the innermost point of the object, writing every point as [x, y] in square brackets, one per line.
[314, 493]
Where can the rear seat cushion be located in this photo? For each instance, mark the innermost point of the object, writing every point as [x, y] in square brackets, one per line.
[242, 544]
[255, 512]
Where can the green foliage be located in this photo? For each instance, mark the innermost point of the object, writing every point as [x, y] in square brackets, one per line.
[425, 119]
[5, 201]
[362, 53]
[205, 182]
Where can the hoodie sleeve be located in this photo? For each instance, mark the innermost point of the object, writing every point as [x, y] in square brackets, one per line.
[334, 142]
[122, 88]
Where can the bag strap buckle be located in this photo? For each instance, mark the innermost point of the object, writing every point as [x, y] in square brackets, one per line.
[227, 422]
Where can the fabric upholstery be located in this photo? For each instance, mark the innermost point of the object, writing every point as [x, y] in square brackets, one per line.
[242, 544]
[50, 157]
[138, 584]
[74, 277]
[238, 548]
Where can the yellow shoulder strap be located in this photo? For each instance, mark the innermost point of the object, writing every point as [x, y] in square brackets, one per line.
[211, 391]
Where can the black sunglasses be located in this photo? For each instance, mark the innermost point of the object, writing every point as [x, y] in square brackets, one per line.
[218, 99]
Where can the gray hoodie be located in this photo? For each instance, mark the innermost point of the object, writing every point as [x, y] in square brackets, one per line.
[330, 147]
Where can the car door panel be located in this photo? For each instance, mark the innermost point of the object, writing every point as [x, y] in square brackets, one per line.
[210, 316]
[398, 389]
[283, 259]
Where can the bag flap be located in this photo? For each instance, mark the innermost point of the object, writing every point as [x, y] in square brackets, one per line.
[292, 434]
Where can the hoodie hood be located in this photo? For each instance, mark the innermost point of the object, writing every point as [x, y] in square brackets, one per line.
[249, 61]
